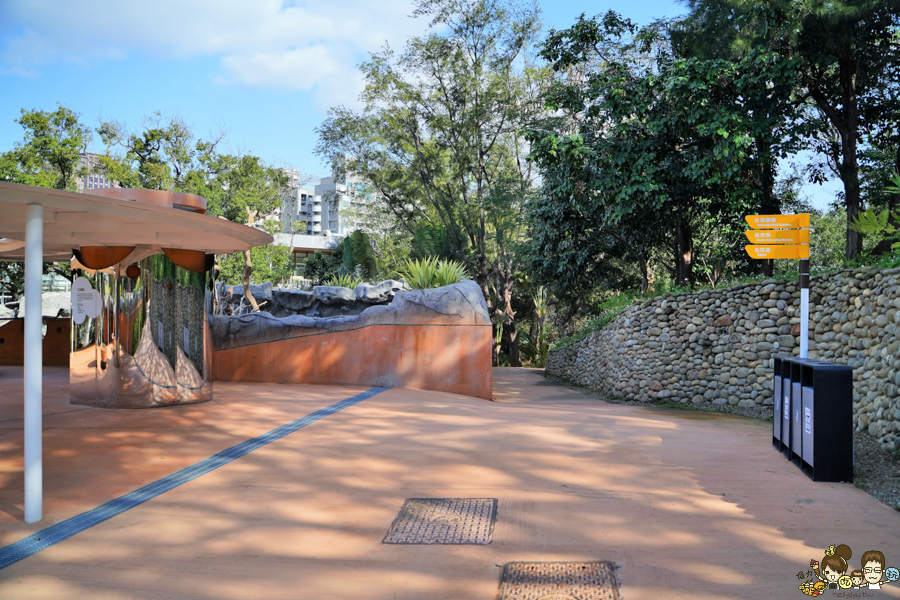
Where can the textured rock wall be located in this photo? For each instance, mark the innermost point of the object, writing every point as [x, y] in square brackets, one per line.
[458, 304]
[322, 302]
[716, 346]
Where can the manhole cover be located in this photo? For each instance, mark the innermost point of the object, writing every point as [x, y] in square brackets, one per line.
[444, 521]
[559, 581]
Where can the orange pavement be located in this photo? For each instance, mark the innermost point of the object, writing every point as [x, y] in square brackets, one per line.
[691, 505]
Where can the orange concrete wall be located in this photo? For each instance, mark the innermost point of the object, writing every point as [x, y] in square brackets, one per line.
[55, 347]
[447, 358]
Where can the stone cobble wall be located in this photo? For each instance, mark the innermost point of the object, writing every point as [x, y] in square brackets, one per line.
[716, 346]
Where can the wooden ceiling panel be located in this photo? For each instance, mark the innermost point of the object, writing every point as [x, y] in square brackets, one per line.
[72, 220]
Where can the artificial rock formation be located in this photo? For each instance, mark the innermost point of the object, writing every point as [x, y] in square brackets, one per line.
[459, 304]
[322, 301]
[434, 339]
[53, 305]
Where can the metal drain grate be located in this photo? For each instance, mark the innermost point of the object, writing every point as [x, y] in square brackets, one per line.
[444, 521]
[559, 581]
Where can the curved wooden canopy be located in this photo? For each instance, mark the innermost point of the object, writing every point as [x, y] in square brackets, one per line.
[73, 220]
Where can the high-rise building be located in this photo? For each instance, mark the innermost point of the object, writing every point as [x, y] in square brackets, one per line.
[95, 178]
[334, 207]
[293, 212]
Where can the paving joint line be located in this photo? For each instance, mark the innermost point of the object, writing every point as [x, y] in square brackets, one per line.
[63, 530]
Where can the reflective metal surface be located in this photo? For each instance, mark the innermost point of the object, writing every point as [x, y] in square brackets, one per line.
[150, 345]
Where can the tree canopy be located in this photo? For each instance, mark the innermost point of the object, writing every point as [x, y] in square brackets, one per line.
[440, 137]
[50, 153]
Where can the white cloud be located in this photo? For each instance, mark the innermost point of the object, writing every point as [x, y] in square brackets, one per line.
[260, 43]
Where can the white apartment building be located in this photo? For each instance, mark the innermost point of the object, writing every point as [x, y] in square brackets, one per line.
[293, 211]
[332, 208]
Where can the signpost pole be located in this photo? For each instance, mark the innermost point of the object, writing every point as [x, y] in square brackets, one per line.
[804, 308]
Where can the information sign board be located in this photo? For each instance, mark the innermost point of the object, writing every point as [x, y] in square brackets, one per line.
[764, 252]
[778, 236]
[778, 221]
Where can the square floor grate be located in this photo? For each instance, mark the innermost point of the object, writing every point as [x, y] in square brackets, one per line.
[594, 580]
[444, 521]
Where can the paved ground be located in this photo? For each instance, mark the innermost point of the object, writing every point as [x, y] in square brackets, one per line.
[691, 505]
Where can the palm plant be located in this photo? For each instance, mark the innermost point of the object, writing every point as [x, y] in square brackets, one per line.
[541, 302]
[430, 272]
[346, 280]
[448, 272]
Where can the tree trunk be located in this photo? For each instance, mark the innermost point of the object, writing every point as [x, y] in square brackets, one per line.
[248, 269]
[513, 344]
[495, 344]
[850, 175]
[684, 253]
[644, 265]
[850, 165]
[248, 266]
[506, 277]
[769, 204]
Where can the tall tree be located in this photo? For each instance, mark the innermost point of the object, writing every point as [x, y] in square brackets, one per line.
[766, 75]
[643, 145]
[166, 155]
[48, 156]
[439, 136]
[848, 63]
[50, 153]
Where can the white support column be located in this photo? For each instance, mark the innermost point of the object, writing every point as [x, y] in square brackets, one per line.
[34, 359]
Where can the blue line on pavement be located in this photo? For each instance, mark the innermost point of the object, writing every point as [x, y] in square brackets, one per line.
[66, 529]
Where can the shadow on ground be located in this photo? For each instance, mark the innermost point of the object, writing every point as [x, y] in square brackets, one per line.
[691, 506]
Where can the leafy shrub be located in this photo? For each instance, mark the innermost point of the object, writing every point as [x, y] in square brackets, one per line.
[429, 241]
[448, 272]
[346, 280]
[611, 308]
[430, 272]
[419, 274]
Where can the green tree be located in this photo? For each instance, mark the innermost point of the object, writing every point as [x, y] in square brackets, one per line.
[645, 151]
[879, 162]
[270, 262]
[48, 156]
[12, 279]
[166, 155]
[440, 140]
[163, 156]
[848, 63]
[361, 252]
[320, 267]
[50, 153]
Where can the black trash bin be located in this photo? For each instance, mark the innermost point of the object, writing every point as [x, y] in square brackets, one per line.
[781, 414]
[813, 421]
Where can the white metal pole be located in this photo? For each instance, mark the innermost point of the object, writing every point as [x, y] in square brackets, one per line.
[34, 259]
[804, 308]
[804, 323]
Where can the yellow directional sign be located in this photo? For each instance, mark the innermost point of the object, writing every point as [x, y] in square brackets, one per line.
[764, 252]
[778, 221]
[778, 236]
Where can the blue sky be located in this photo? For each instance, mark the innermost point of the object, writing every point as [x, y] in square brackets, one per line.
[265, 71]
